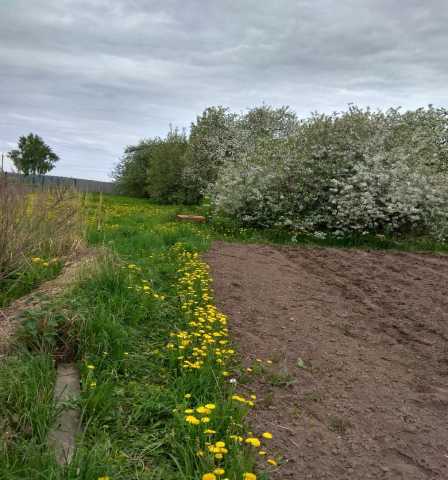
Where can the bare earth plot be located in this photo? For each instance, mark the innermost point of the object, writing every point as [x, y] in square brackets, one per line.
[372, 331]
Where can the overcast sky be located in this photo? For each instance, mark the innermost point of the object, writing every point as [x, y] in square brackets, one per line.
[92, 76]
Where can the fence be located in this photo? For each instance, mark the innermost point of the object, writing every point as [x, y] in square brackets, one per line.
[79, 184]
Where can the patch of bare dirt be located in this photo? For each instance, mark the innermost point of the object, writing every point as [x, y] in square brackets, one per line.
[358, 388]
[11, 315]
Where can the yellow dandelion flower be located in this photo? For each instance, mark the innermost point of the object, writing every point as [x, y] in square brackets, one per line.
[192, 419]
[249, 476]
[271, 461]
[219, 471]
[253, 441]
[209, 476]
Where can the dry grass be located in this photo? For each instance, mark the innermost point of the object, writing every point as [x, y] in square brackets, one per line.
[47, 224]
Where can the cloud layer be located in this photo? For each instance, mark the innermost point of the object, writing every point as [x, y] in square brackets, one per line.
[92, 76]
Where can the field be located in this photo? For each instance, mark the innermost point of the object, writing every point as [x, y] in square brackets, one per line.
[337, 354]
[348, 356]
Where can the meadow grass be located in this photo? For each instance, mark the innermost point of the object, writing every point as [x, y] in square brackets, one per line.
[154, 356]
[38, 228]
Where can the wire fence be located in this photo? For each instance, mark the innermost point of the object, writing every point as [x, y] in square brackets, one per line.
[45, 181]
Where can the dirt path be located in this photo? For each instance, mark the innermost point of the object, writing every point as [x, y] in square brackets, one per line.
[372, 331]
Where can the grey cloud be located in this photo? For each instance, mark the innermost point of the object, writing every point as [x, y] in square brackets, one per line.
[92, 76]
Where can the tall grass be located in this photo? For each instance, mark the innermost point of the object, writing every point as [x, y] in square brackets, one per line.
[37, 229]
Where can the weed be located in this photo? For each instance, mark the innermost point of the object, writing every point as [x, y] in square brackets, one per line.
[338, 425]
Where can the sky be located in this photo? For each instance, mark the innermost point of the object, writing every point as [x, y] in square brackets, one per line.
[93, 76]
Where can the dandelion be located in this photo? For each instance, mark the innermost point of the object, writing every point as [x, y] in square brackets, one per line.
[219, 471]
[249, 476]
[203, 410]
[267, 435]
[192, 419]
[271, 461]
[209, 476]
[253, 441]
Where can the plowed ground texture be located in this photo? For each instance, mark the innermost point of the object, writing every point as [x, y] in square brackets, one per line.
[358, 340]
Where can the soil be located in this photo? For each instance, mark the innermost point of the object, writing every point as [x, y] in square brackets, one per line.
[358, 387]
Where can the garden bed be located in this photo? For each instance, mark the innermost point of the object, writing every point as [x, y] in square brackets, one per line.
[347, 352]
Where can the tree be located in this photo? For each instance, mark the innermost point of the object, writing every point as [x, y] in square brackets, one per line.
[33, 156]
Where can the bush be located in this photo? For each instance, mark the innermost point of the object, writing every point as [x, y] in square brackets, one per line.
[355, 172]
[153, 169]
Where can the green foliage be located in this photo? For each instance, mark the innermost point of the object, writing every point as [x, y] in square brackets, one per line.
[153, 169]
[33, 156]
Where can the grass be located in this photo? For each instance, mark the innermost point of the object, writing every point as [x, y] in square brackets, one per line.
[227, 229]
[37, 229]
[154, 357]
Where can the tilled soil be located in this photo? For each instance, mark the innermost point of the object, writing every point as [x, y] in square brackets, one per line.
[358, 387]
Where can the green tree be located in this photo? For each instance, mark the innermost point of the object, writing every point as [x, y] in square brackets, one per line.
[33, 155]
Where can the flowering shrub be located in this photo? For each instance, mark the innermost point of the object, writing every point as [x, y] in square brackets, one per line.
[356, 172]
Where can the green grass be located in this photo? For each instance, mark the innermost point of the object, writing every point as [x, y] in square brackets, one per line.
[133, 399]
[226, 229]
[26, 279]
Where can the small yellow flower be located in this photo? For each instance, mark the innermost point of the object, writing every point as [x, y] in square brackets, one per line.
[253, 441]
[272, 461]
[192, 419]
[91, 367]
[210, 406]
[209, 431]
[219, 471]
[209, 476]
[203, 410]
[187, 395]
[267, 435]
[262, 453]
[205, 419]
[249, 476]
